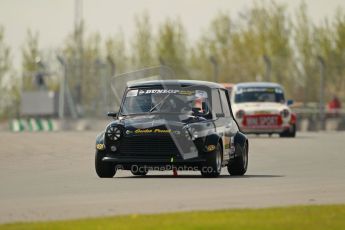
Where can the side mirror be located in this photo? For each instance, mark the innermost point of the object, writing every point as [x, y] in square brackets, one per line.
[112, 114]
[289, 102]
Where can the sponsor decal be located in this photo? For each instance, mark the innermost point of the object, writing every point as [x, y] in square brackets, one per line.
[145, 131]
[132, 93]
[129, 131]
[100, 146]
[139, 131]
[211, 148]
[197, 93]
[186, 92]
[158, 91]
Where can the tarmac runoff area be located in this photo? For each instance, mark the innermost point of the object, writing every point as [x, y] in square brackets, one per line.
[48, 176]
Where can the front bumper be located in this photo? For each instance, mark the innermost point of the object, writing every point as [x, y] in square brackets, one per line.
[264, 123]
[277, 129]
[131, 160]
[160, 164]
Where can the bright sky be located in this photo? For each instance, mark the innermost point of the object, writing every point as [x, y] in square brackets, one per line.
[54, 19]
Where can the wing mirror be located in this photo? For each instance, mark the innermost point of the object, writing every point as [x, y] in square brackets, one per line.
[112, 114]
[289, 102]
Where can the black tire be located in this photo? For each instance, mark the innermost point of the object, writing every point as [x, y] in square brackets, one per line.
[238, 166]
[213, 165]
[104, 169]
[289, 132]
[139, 172]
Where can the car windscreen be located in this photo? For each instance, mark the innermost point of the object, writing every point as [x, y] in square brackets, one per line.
[259, 94]
[166, 100]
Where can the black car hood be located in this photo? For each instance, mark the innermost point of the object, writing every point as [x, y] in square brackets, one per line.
[161, 125]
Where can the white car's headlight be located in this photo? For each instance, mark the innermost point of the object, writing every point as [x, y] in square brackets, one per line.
[240, 114]
[285, 113]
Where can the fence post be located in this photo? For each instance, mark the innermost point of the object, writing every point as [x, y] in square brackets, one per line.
[215, 68]
[322, 93]
[268, 65]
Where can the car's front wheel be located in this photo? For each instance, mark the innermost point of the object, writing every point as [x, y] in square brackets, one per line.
[103, 169]
[291, 132]
[213, 165]
[238, 165]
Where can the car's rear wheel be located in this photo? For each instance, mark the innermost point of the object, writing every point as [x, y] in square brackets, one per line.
[213, 165]
[291, 132]
[238, 165]
[103, 169]
[139, 171]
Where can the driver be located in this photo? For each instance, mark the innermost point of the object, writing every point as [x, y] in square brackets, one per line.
[198, 108]
[198, 104]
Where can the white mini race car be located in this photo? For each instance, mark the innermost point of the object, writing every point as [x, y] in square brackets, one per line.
[260, 107]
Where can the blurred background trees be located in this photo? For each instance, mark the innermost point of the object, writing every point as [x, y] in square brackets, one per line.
[142, 52]
[31, 62]
[171, 46]
[263, 43]
[9, 81]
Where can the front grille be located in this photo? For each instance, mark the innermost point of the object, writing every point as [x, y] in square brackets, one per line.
[148, 147]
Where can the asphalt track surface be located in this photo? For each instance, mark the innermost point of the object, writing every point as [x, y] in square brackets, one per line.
[46, 176]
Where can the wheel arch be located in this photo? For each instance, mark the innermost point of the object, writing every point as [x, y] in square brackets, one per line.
[100, 142]
[240, 140]
[100, 138]
[213, 139]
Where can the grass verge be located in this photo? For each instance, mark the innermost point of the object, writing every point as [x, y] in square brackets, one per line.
[297, 217]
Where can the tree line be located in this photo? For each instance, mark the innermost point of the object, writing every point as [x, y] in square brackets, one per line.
[262, 43]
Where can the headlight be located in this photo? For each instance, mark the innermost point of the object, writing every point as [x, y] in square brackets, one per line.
[285, 113]
[194, 133]
[187, 134]
[240, 114]
[191, 133]
[113, 133]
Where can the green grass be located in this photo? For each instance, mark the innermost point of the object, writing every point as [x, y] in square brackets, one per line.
[326, 217]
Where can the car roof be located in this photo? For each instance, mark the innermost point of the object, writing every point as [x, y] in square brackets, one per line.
[176, 82]
[257, 84]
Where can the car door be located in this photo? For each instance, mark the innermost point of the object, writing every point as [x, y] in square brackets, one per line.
[221, 118]
[230, 125]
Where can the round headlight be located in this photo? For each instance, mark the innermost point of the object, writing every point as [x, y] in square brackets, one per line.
[240, 114]
[285, 113]
[187, 134]
[191, 133]
[113, 133]
[194, 133]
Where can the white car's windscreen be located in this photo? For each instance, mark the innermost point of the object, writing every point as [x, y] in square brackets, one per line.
[259, 94]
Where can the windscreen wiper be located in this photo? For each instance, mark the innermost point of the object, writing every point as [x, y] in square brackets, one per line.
[160, 102]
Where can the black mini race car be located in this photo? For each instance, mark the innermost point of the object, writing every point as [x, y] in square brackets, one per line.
[172, 125]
